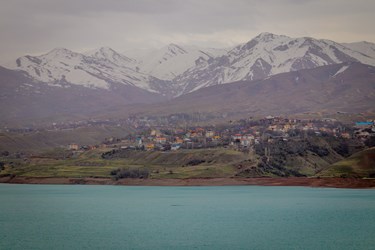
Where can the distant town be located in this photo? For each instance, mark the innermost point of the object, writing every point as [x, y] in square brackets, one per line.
[244, 135]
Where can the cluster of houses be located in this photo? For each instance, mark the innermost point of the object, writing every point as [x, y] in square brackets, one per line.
[178, 138]
[242, 134]
[364, 130]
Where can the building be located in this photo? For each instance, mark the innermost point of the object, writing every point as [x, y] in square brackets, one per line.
[139, 141]
[73, 146]
[210, 133]
[161, 140]
[175, 146]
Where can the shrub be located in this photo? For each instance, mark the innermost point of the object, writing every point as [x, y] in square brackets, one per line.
[4, 153]
[134, 173]
[321, 151]
[195, 162]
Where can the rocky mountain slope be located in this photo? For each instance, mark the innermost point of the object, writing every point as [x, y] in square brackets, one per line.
[23, 100]
[347, 87]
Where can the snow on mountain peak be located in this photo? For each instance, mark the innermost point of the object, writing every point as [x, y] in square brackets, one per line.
[59, 51]
[268, 37]
[365, 48]
[95, 69]
[269, 54]
[265, 36]
[173, 60]
[107, 53]
[103, 51]
[175, 69]
[175, 49]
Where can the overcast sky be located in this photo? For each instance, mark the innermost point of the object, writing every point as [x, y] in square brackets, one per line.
[37, 26]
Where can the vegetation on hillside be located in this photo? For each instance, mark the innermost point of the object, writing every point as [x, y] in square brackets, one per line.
[360, 165]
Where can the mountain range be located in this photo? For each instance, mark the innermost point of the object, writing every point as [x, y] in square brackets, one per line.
[81, 84]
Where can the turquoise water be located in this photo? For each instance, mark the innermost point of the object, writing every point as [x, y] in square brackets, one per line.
[239, 217]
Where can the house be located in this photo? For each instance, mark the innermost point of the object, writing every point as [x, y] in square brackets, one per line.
[366, 124]
[210, 133]
[175, 146]
[237, 137]
[272, 127]
[345, 135]
[179, 140]
[217, 137]
[248, 137]
[287, 127]
[73, 146]
[139, 141]
[161, 140]
[194, 134]
[150, 146]
[245, 142]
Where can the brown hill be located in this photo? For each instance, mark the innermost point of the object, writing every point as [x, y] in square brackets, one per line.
[23, 101]
[347, 87]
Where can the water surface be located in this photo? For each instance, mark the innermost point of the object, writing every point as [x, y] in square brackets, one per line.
[238, 217]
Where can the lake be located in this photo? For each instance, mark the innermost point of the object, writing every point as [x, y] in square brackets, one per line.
[230, 217]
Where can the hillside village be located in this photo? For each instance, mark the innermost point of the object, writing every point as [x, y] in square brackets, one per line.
[165, 146]
[243, 135]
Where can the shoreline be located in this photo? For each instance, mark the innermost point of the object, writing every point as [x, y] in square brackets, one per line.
[260, 181]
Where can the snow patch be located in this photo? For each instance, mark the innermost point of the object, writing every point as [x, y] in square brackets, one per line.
[342, 69]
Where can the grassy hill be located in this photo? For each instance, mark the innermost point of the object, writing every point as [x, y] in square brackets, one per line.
[181, 164]
[361, 164]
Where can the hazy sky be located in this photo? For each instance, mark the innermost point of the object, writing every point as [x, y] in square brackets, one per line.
[37, 26]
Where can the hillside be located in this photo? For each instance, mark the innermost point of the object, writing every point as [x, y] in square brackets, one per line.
[348, 87]
[40, 141]
[24, 101]
[361, 164]
[290, 158]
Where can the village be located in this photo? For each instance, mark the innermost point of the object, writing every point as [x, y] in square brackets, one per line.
[242, 135]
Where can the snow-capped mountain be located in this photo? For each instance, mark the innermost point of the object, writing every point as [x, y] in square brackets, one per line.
[173, 60]
[176, 70]
[266, 55]
[109, 55]
[98, 69]
[365, 48]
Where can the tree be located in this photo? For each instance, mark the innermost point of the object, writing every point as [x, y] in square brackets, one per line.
[5, 153]
[370, 142]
